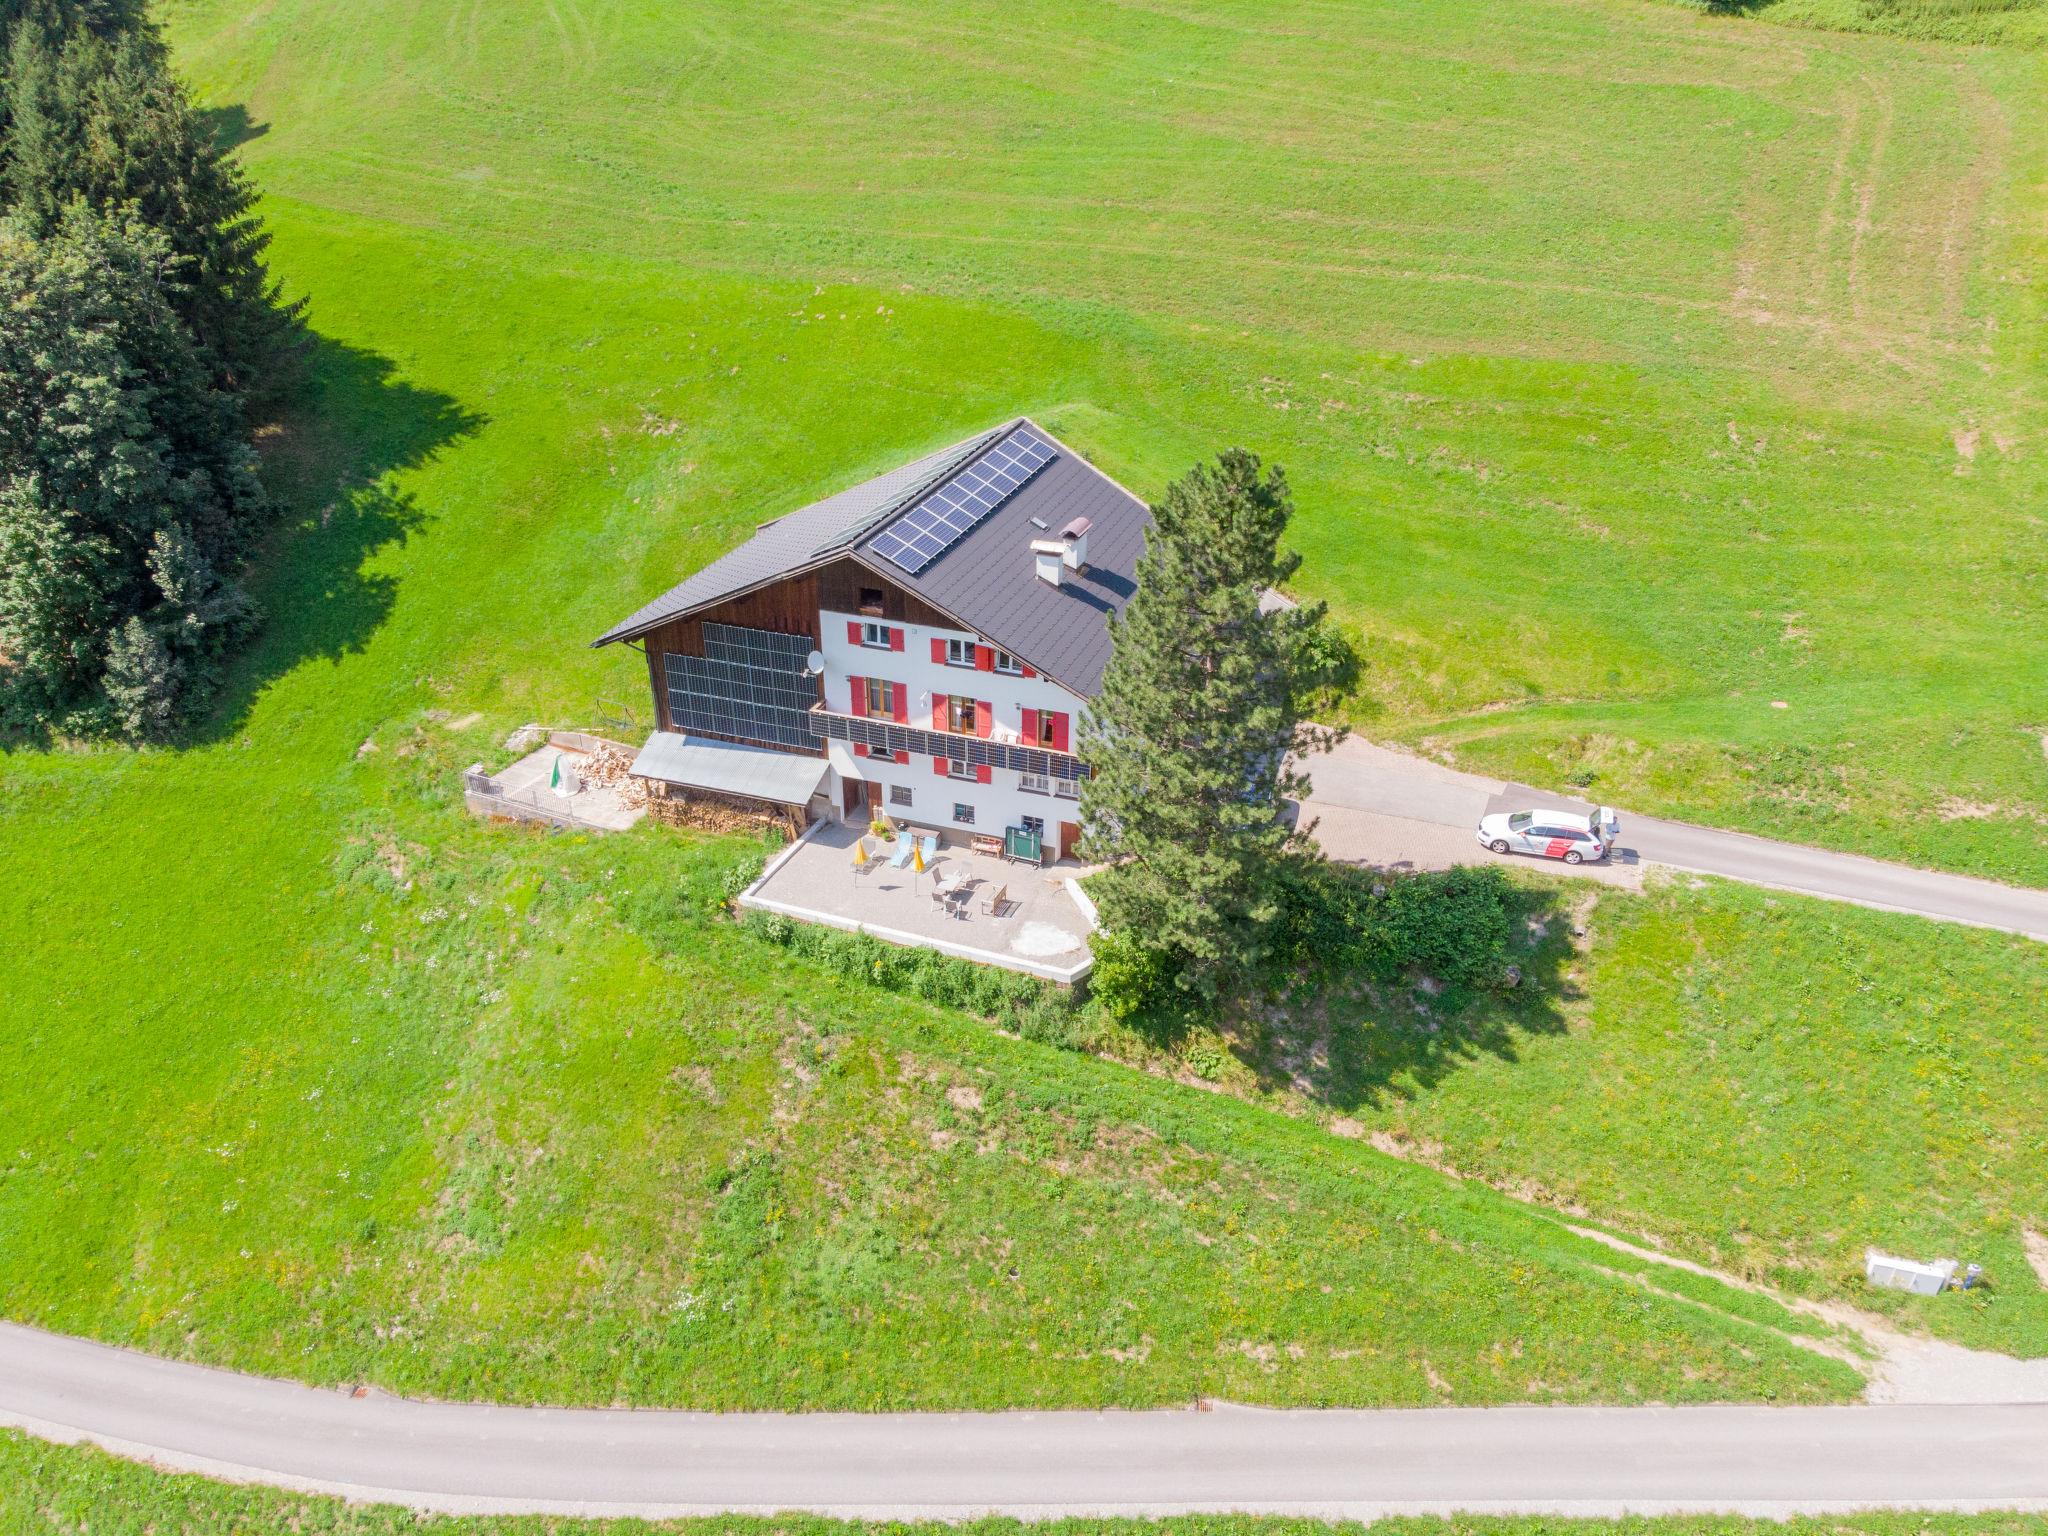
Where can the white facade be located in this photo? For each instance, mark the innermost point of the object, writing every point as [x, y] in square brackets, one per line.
[916, 792]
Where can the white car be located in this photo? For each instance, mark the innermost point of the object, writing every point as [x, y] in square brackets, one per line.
[1573, 836]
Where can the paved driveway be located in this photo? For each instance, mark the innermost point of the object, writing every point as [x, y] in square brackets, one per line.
[1386, 808]
[1348, 1463]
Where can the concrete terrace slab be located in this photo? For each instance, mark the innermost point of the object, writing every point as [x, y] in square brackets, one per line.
[1042, 930]
[523, 788]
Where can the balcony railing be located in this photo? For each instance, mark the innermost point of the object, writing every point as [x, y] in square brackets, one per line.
[888, 736]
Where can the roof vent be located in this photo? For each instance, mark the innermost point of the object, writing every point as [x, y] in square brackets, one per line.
[1075, 539]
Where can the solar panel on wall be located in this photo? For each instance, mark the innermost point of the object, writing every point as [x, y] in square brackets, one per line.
[749, 683]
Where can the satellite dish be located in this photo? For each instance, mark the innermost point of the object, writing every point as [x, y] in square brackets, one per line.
[814, 663]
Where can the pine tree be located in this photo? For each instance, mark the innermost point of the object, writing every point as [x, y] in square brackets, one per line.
[1188, 741]
[101, 119]
[127, 487]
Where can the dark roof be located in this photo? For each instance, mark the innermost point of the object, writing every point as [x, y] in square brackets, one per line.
[985, 581]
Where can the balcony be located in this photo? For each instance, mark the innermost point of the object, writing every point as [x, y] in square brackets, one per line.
[889, 736]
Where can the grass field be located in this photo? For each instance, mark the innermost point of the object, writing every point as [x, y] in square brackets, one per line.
[1766, 1084]
[1635, 370]
[472, 1112]
[46, 1489]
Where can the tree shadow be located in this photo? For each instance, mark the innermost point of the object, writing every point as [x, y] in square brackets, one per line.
[1356, 1045]
[230, 127]
[326, 463]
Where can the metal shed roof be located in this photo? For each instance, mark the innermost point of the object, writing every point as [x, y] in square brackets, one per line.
[728, 768]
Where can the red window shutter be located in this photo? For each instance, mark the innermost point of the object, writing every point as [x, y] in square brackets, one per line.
[899, 703]
[858, 688]
[984, 718]
[984, 659]
[938, 711]
[1027, 671]
[984, 774]
[853, 631]
[939, 653]
[859, 750]
[895, 639]
[1031, 727]
[939, 766]
[1059, 733]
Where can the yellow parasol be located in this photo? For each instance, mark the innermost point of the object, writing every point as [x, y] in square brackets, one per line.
[917, 857]
[860, 852]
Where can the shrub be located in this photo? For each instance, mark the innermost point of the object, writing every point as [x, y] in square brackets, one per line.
[1129, 977]
[1037, 1009]
[1453, 924]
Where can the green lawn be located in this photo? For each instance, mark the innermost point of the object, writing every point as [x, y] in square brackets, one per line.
[1616, 353]
[47, 1489]
[1767, 1084]
[1637, 369]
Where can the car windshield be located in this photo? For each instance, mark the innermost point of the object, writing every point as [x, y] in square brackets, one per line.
[1520, 820]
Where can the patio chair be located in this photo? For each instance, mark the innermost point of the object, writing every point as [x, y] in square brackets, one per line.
[902, 857]
[997, 901]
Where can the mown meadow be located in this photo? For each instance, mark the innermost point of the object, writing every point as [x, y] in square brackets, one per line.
[1763, 1083]
[1636, 370]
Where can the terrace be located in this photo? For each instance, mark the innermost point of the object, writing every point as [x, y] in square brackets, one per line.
[1041, 928]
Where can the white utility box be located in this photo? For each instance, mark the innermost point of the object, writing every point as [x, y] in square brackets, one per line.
[1907, 1274]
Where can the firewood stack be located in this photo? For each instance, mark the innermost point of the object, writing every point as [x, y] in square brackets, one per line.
[610, 768]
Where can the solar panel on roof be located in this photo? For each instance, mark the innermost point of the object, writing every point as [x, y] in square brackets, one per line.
[944, 517]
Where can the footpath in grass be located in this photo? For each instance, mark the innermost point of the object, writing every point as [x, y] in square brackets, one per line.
[49, 1489]
[1763, 1083]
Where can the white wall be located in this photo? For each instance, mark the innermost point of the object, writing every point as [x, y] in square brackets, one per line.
[998, 804]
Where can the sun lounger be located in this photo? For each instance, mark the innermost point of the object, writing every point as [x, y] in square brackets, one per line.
[902, 854]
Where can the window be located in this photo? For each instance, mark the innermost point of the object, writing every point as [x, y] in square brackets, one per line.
[955, 769]
[964, 814]
[1046, 735]
[870, 600]
[877, 636]
[1034, 784]
[899, 794]
[960, 715]
[1519, 822]
[879, 701]
[1005, 662]
[959, 653]
[1066, 789]
[1035, 825]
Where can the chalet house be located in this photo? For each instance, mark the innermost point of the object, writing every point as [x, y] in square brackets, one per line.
[918, 647]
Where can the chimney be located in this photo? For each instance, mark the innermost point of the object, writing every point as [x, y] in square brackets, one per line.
[1047, 557]
[1075, 537]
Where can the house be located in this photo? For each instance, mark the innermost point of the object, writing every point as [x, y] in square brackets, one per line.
[919, 647]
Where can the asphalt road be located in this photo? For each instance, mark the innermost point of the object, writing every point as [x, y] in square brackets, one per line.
[1360, 777]
[459, 1458]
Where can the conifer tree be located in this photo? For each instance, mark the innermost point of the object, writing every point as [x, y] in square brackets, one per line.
[127, 486]
[1189, 739]
[100, 119]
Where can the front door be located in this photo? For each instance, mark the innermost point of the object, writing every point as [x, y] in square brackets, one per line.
[852, 797]
[1070, 840]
